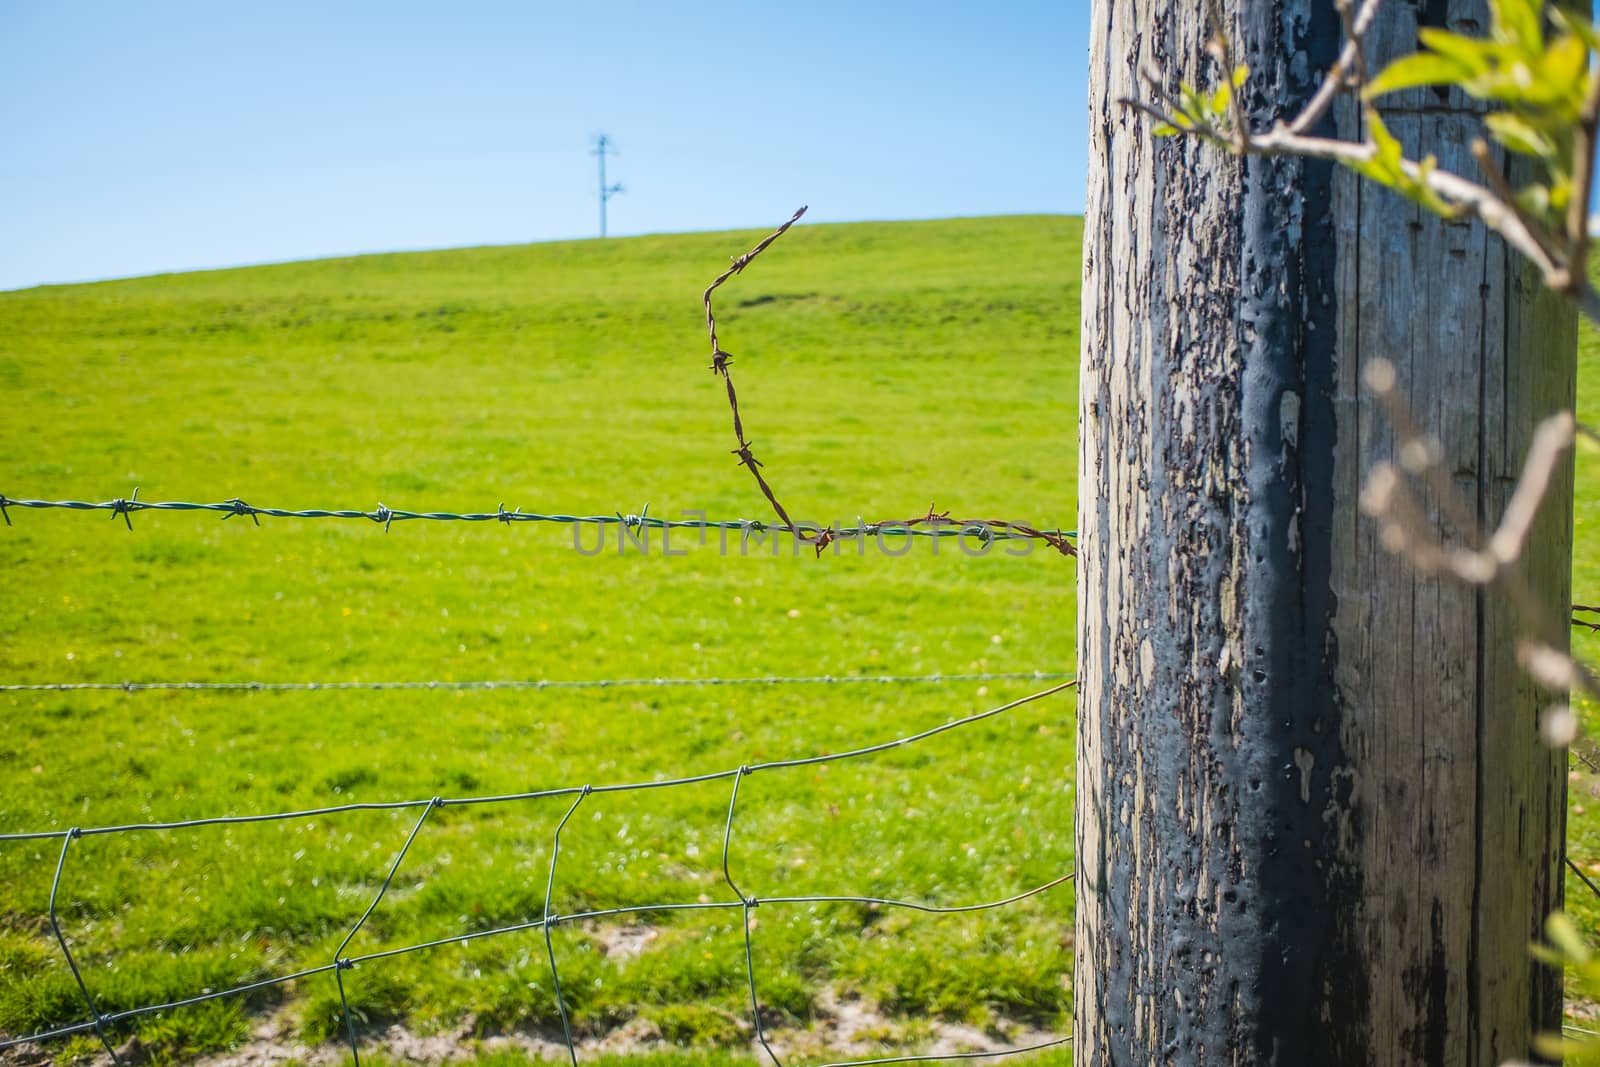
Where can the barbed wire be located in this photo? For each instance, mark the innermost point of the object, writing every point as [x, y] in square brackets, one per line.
[101, 1023]
[548, 683]
[985, 531]
[821, 538]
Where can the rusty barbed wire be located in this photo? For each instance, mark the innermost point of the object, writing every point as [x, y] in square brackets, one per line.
[721, 359]
[101, 1023]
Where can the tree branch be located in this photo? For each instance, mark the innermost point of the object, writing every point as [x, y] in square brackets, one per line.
[1351, 58]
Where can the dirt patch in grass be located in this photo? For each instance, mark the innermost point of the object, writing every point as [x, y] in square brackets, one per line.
[844, 1028]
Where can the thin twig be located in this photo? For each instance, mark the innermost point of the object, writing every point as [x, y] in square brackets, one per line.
[1352, 57]
[1584, 143]
[1222, 47]
[1492, 559]
[1548, 258]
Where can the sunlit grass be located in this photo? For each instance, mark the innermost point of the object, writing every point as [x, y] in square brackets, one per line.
[881, 368]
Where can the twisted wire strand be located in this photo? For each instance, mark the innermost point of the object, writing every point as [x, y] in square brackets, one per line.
[549, 683]
[939, 526]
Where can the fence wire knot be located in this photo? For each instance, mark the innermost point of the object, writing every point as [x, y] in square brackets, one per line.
[125, 508]
[383, 515]
[746, 457]
[4, 500]
[241, 508]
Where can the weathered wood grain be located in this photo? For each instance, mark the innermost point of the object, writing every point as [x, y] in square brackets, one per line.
[1316, 824]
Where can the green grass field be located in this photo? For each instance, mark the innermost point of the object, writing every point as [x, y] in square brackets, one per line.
[880, 367]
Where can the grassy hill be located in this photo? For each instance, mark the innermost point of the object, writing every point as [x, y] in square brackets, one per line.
[881, 368]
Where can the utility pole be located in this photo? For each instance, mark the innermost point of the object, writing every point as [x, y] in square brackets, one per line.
[603, 148]
[1316, 823]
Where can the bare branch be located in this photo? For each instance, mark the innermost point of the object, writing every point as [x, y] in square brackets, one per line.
[1583, 186]
[1406, 530]
[1202, 130]
[1349, 71]
[1546, 261]
[1551, 441]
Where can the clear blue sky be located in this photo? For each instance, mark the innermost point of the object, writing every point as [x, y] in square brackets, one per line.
[145, 137]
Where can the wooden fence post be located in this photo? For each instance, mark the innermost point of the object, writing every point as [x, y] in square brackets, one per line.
[1315, 821]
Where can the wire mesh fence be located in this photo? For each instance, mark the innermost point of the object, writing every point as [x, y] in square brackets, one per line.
[102, 1024]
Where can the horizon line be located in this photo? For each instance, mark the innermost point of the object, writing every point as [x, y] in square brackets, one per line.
[371, 253]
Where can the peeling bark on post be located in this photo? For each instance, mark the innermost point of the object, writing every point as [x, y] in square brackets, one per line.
[1315, 821]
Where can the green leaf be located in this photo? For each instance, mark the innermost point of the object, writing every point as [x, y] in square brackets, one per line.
[1221, 99]
[1417, 69]
[1240, 73]
[1519, 22]
[1575, 24]
[1521, 135]
[1560, 193]
[1534, 200]
[1387, 167]
[1475, 54]
[1552, 1047]
[1563, 934]
[1418, 190]
[1545, 954]
[1389, 151]
[1561, 74]
[1166, 129]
